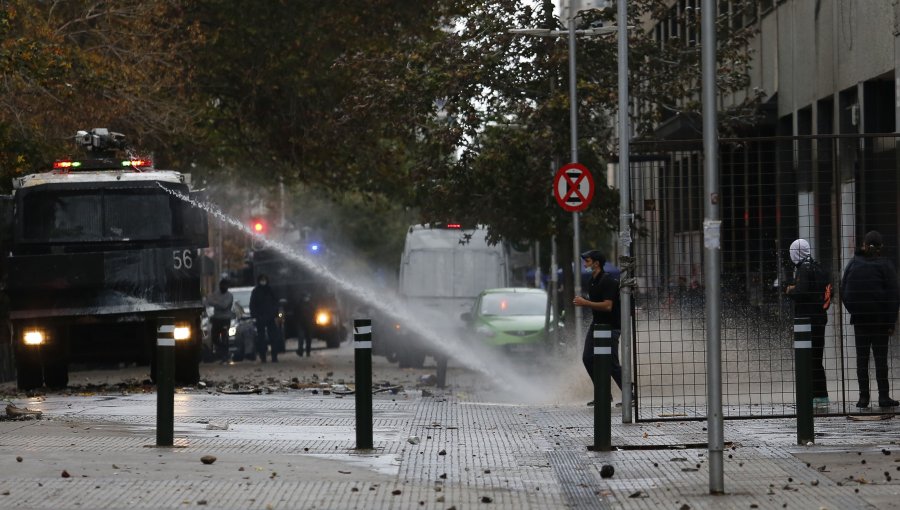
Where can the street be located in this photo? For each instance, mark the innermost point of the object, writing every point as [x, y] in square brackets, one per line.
[283, 436]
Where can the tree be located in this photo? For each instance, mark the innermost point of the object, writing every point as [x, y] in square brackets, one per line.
[67, 63]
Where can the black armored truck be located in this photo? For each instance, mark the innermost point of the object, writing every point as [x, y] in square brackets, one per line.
[100, 249]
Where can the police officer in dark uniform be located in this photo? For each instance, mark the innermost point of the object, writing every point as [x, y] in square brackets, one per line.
[264, 309]
[603, 301]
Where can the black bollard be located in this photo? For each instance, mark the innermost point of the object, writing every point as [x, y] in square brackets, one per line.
[803, 380]
[442, 371]
[602, 368]
[362, 343]
[165, 381]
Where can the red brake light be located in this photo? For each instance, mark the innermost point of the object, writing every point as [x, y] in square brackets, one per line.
[454, 225]
[258, 226]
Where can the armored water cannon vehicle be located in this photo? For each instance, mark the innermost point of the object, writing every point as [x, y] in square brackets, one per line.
[100, 249]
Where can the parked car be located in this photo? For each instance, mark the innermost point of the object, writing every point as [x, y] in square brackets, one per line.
[512, 319]
[242, 332]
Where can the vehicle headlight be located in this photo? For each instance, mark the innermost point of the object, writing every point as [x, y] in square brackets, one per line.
[34, 337]
[232, 331]
[485, 331]
[323, 318]
[182, 332]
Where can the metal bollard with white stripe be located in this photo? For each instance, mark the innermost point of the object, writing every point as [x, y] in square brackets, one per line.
[803, 380]
[362, 356]
[165, 381]
[602, 368]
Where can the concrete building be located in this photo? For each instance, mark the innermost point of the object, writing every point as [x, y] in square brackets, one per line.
[826, 72]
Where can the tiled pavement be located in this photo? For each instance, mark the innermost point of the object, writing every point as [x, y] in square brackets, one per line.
[296, 450]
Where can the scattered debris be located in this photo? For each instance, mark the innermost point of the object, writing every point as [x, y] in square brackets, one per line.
[396, 492]
[870, 417]
[208, 459]
[239, 391]
[487, 499]
[18, 458]
[22, 413]
[442, 452]
[217, 426]
[65, 474]
[638, 494]
[607, 471]
[202, 502]
[344, 472]
[428, 380]
[413, 440]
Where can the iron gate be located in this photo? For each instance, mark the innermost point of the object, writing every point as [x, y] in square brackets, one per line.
[829, 190]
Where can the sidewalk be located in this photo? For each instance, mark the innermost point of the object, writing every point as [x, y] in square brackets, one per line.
[436, 450]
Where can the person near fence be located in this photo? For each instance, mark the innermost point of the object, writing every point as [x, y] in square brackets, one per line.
[264, 309]
[603, 301]
[870, 293]
[811, 293]
[222, 303]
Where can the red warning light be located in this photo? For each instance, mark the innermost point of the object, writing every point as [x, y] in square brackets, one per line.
[454, 225]
[258, 226]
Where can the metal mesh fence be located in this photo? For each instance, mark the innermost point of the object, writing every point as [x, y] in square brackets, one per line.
[828, 190]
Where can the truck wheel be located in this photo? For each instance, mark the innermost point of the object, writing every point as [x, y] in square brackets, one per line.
[56, 362]
[411, 358]
[333, 341]
[187, 365]
[28, 369]
[56, 373]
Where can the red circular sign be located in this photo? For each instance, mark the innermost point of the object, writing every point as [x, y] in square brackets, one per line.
[573, 187]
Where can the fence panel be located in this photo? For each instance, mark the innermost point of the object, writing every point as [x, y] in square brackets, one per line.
[829, 190]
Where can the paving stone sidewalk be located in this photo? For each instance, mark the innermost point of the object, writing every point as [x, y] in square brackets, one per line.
[439, 451]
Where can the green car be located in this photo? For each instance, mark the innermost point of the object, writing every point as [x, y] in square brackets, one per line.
[514, 319]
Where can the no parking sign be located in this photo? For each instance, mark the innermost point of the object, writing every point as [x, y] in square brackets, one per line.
[573, 187]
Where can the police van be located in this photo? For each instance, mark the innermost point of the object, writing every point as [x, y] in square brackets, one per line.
[100, 250]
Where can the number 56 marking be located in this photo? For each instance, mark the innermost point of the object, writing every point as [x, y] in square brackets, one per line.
[182, 259]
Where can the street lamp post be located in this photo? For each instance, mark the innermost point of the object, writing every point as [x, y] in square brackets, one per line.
[573, 128]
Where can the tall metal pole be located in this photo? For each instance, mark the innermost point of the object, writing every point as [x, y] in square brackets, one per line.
[712, 249]
[573, 128]
[624, 208]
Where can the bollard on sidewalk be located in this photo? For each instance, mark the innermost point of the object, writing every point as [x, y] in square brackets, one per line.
[362, 343]
[602, 368]
[441, 371]
[803, 380]
[165, 381]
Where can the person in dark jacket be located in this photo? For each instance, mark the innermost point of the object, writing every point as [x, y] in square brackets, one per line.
[603, 301]
[808, 303]
[870, 293]
[264, 308]
[222, 303]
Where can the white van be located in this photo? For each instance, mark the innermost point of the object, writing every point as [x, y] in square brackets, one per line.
[445, 268]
